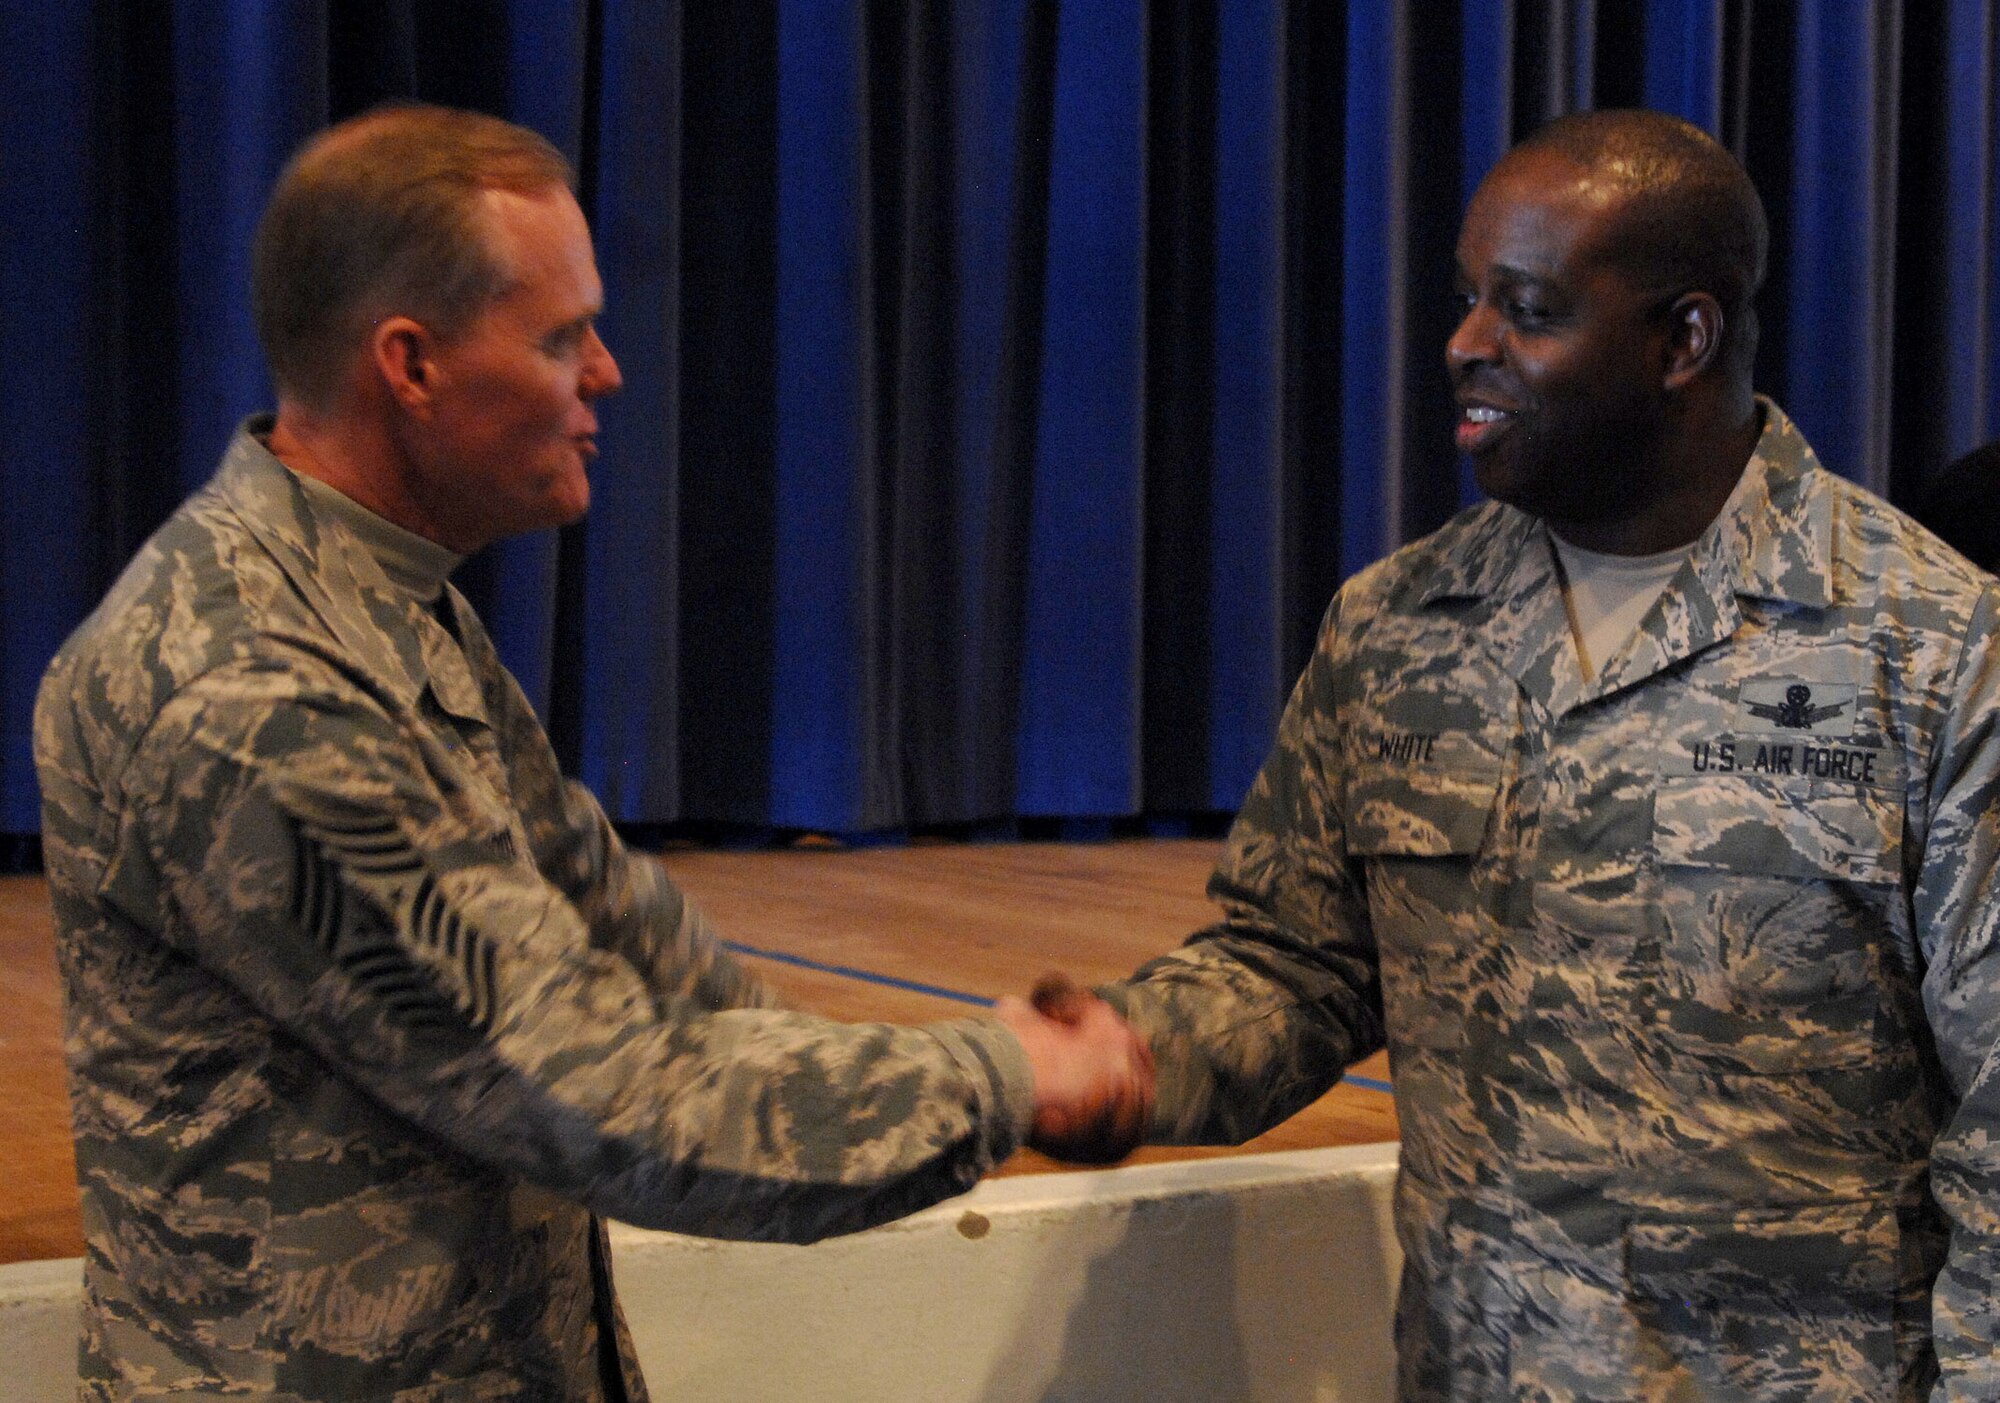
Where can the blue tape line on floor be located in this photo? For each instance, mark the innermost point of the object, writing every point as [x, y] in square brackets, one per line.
[865, 976]
[890, 981]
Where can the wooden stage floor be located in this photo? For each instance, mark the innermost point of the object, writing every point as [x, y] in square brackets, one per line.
[905, 934]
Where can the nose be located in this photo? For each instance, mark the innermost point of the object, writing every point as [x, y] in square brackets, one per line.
[601, 376]
[1474, 341]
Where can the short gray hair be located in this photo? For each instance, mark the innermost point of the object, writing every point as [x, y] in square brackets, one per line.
[380, 216]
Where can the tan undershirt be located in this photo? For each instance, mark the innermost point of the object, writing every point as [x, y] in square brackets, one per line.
[1607, 595]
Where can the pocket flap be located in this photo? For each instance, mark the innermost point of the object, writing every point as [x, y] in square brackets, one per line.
[1782, 828]
[1419, 812]
[1841, 1249]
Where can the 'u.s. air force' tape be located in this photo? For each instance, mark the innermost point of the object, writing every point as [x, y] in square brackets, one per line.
[1775, 757]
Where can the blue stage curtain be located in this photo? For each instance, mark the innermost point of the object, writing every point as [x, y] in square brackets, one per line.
[1008, 384]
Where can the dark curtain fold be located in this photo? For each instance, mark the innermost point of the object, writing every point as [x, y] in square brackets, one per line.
[1008, 384]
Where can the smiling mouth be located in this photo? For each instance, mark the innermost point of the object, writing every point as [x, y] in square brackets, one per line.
[1479, 425]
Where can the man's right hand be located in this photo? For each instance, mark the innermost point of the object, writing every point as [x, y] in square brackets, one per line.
[1093, 1074]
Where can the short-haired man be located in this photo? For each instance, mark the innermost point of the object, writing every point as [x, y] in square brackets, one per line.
[370, 1014]
[1650, 814]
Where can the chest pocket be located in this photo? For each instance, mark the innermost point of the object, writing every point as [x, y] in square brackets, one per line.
[1778, 897]
[1419, 831]
[1432, 811]
[1816, 830]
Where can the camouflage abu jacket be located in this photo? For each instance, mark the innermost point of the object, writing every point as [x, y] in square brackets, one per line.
[369, 1012]
[1688, 976]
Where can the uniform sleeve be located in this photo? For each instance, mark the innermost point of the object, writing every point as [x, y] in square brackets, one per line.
[1258, 1015]
[627, 899]
[634, 909]
[1957, 914]
[317, 854]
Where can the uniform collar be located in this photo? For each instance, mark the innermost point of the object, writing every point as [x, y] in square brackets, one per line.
[380, 626]
[409, 561]
[1773, 540]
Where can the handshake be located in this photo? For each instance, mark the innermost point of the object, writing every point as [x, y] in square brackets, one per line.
[1093, 1074]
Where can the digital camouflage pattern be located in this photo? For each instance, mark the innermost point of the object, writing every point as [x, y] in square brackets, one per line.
[369, 1013]
[1688, 975]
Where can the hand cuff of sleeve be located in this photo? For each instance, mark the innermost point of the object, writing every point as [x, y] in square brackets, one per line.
[994, 1061]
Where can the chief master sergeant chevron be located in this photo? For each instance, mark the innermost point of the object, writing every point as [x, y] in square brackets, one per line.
[1650, 814]
[369, 1013]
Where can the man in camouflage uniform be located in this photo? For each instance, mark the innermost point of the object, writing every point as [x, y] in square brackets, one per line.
[1684, 957]
[370, 1014]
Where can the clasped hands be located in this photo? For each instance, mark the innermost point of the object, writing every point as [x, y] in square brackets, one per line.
[1093, 1074]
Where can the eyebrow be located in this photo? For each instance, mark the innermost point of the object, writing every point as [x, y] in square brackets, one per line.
[1503, 272]
[578, 323]
[1518, 274]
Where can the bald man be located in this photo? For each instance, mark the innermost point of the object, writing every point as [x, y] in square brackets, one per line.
[1647, 814]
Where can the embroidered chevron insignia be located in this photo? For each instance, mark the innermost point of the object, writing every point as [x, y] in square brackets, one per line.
[363, 894]
[407, 991]
[440, 928]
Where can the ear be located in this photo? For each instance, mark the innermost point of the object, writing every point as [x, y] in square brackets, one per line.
[403, 352]
[1694, 337]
